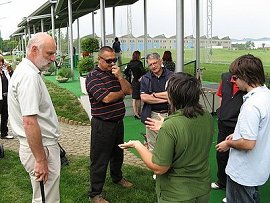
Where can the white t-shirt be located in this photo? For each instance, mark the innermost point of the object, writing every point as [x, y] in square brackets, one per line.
[252, 167]
[28, 95]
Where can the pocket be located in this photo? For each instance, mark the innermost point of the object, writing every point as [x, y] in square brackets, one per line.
[27, 158]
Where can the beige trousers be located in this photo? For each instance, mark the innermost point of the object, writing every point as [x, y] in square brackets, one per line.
[51, 187]
[151, 136]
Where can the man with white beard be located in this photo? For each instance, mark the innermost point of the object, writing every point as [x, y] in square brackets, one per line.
[33, 118]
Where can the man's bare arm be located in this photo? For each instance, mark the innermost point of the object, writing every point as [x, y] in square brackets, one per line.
[150, 99]
[34, 139]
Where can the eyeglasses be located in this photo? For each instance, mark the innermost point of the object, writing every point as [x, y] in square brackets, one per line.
[154, 63]
[109, 61]
[234, 77]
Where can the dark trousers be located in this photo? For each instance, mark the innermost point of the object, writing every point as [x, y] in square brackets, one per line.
[4, 116]
[105, 138]
[222, 157]
[236, 193]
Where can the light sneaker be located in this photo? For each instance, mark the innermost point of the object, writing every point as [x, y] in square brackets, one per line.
[224, 200]
[7, 137]
[154, 176]
[216, 186]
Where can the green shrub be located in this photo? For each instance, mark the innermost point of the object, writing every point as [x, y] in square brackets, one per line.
[64, 73]
[85, 65]
[89, 44]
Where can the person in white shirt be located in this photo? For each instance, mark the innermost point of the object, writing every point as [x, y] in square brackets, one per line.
[249, 164]
[33, 118]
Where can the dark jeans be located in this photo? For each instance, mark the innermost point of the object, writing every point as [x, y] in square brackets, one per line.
[4, 116]
[105, 138]
[222, 157]
[236, 193]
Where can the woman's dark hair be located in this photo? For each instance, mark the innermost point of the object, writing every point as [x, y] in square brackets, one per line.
[167, 56]
[249, 69]
[184, 93]
[136, 55]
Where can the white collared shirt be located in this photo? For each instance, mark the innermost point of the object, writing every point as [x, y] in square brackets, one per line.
[252, 167]
[28, 95]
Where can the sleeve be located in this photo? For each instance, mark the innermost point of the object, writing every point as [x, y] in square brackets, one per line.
[127, 71]
[219, 91]
[249, 122]
[142, 68]
[164, 149]
[29, 94]
[96, 88]
[144, 85]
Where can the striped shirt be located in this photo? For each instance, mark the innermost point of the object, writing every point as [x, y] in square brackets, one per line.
[98, 85]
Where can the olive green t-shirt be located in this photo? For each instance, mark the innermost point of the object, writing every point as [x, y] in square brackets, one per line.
[184, 145]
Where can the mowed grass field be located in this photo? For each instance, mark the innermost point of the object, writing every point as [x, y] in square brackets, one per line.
[221, 59]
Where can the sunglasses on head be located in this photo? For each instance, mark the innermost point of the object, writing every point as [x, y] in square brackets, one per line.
[234, 77]
[109, 61]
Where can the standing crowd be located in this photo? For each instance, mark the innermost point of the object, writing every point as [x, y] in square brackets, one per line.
[179, 131]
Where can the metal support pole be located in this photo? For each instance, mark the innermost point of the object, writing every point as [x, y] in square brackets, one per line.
[145, 29]
[197, 35]
[179, 36]
[70, 37]
[42, 25]
[93, 23]
[114, 33]
[102, 22]
[52, 19]
[79, 39]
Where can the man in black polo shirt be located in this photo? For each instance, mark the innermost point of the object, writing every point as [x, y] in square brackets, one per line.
[153, 94]
[106, 88]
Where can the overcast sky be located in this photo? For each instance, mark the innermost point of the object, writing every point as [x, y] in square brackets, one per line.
[234, 18]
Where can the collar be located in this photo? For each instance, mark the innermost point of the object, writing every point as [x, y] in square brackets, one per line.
[253, 92]
[162, 74]
[31, 65]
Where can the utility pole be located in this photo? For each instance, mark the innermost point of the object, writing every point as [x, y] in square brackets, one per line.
[209, 36]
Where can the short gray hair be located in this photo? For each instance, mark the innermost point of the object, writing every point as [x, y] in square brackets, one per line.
[36, 40]
[153, 56]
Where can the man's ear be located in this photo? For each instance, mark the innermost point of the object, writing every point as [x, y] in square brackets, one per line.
[34, 49]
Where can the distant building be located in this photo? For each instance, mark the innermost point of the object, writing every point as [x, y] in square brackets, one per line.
[131, 43]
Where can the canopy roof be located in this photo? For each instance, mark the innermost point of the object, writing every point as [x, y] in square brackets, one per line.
[79, 9]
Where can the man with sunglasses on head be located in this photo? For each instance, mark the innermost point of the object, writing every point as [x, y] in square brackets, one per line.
[107, 89]
[154, 95]
[249, 164]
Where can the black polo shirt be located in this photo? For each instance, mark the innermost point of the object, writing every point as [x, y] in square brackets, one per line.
[98, 85]
[152, 84]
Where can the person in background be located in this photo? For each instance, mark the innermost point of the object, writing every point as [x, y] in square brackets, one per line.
[167, 61]
[153, 94]
[135, 70]
[5, 73]
[181, 155]
[248, 165]
[33, 118]
[107, 89]
[231, 100]
[118, 52]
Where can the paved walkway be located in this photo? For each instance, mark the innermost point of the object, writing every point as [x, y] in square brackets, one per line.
[75, 139]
